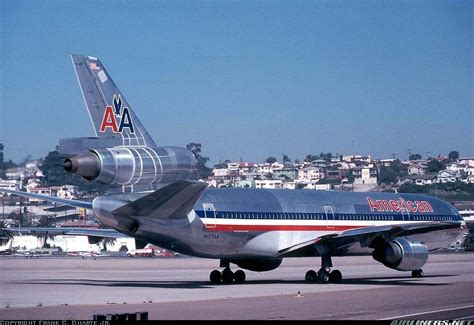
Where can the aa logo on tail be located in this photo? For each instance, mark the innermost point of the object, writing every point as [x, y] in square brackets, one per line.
[113, 115]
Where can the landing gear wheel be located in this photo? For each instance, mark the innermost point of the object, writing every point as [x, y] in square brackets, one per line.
[227, 276]
[323, 276]
[311, 276]
[335, 276]
[417, 273]
[215, 277]
[239, 276]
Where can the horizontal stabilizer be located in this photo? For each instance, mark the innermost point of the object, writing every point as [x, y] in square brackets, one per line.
[173, 201]
[73, 203]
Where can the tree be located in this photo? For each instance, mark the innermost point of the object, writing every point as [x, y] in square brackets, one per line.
[350, 176]
[391, 174]
[202, 170]
[453, 155]
[108, 241]
[45, 222]
[4, 165]
[434, 166]
[5, 234]
[221, 166]
[326, 156]
[268, 175]
[286, 159]
[415, 156]
[300, 186]
[310, 158]
[270, 160]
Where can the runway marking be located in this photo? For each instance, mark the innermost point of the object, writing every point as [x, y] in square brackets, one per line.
[427, 312]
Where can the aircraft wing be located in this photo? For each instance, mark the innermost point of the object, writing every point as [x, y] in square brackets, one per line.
[73, 203]
[94, 232]
[365, 236]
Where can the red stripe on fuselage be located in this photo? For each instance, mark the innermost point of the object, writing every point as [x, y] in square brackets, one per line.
[213, 227]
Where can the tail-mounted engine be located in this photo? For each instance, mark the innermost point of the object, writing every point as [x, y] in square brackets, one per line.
[403, 254]
[133, 165]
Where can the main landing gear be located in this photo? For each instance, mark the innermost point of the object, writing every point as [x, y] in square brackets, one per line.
[227, 276]
[324, 275]
[417, 273]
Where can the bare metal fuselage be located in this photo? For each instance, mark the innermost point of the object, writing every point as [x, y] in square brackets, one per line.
[247, 223]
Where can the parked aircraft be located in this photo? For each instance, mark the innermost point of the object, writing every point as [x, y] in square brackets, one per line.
[153, 198]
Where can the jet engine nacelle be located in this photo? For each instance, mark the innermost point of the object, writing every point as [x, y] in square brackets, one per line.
[403, 254]
[133, 165]
[258, 265]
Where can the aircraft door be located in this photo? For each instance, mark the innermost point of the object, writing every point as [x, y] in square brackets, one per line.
[404, 211]
[209, 215]
[329, 211]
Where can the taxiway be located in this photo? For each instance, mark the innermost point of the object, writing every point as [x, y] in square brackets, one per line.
[178, 288]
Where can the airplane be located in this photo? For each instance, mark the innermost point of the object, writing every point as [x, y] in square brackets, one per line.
[153, 197]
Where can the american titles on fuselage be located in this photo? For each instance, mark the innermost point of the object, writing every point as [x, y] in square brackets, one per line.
[399, 205]
[112, 114]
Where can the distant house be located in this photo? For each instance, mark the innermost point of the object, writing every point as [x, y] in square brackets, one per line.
[467, 161]
[416, 169]
[9, 184]
[32, 183]
[385, 162]
[456, 168]
[65, 191]
[308, 174]
[365, 175]
[419, 179]
[334, 174]
[286, 173]
[39, 190]
[268, 183]
[318, 187]
[246, 168]
[469, 179]
[445, 176]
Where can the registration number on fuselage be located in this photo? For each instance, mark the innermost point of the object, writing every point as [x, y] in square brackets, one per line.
[210, 236]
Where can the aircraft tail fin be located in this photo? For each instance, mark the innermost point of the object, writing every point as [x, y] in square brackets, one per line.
[109, 111]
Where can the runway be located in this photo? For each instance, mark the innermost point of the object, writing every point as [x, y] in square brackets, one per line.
[178, 288]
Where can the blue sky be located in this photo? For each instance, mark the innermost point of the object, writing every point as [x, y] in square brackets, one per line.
[247, 79]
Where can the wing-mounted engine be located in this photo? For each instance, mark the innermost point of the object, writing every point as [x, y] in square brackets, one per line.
[403, 254]
[127, 166]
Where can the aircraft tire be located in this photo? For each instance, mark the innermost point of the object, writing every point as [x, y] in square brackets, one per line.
[323, 276]
[227, 276]
[335, 276]
[417, 273]
[239, 276]
[311, 276]
[215, 277]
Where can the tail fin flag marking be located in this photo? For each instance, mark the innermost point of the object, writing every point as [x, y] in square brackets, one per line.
[110, 113]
